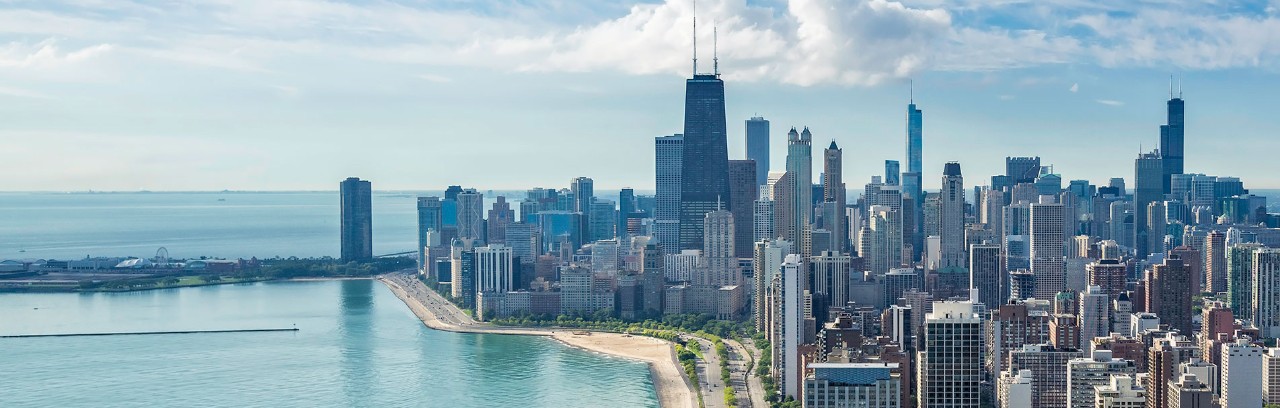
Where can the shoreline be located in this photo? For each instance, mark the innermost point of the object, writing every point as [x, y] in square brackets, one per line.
[672, 388]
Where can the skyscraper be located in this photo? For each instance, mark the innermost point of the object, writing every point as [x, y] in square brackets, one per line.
[1047, 242]
[1169, 293]
[951, 219]
[669, 153]
[1086, 374]
[985, 275]
[1240, 280]
[833, 190]
[583, 195]
[758, 147]
[705, 158]
[1171, 138]
[471, 215]
[356, 197]
[912, 188]
[800, 167]
[1022, 169]
[500, 215]
[786, 345]
[1241, 375]
[1266, 291]
[1095, 319]
[429, 214]
[892, 173]
[743, 192]
[626, 206]
[1148, 171]
[950, 364]
[718, 247]
[1215, 266]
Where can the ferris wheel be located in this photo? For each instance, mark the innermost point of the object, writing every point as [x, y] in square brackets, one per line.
[162, 256]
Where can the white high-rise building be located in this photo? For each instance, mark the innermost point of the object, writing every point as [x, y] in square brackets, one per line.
[891, 197]
[1241, 375]
[1086, 374]
[763, 217]
[683, 266]
[882, 245]
[1266, 291]
[494, 269]
[1014, 389]
[668, 153]
[1123, 391]
[1271, 376]
[1094, 316]
[1047, 248]
[604, 257]
[718, 247]
[769, 255]
[950, 361]
[789, 337]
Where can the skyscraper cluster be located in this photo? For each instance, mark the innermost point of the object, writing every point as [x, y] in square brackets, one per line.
[1156, 289]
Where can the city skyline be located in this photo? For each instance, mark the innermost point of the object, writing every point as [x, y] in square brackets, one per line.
[269, 123]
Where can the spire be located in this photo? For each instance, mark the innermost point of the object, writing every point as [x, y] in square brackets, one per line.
[833, 145]
[714, 51]
[1179, 86]
[911, 91]
[695, 40]
[1170, 86]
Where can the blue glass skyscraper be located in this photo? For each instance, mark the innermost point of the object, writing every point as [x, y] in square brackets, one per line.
[911, 187]
[704, 177]
[758, 147]
[892, 172]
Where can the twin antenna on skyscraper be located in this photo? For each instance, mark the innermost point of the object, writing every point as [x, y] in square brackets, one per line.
[715, 57]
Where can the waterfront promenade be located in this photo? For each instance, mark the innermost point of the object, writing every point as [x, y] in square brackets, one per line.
[674, 390]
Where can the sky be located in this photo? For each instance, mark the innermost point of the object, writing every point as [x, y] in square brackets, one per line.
[124, 95]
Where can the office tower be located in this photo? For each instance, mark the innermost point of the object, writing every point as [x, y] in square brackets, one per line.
[1156, 217]
[1086, 374]
[1241, 375]
[800, 167]
[897, 282]
[1189, 392]
[1148, 171]
[705, 159]
[950, 362]
[462, 263]
[652, 275]
[831, 272]
[782, 190]
[833, 191]
[1239, 267]
[718, 247]
[1215, 265]
[1047, 249]
[356, 197]
[758, 147]
[1014, 389]
[495, 270]
[1171, 137]
[1169, 293]
[1022, 284]
[985, 275]
[951, 218]
[1108, 274]
[1049, 379]
[626, 207]
[1271, 376]
[786, 351]
[1163, 360]
[604, 257]
[1266, 291]
[768, 258]
[912, 188]
[561, 231]
[500, 216]
[669, 152]
[1095, 320]
[762, 217]
[743, 192]
[885, 244]
[583, 189]
[892, 173]
[1022, 169]
[471, 215]
[1123, 391]
[602, 219]
[429, 213]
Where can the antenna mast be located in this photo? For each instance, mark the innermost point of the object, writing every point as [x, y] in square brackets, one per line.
[715, 56]
[695, 40]
[911, 91]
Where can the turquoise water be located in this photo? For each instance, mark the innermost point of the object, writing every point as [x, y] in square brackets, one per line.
[358, 346]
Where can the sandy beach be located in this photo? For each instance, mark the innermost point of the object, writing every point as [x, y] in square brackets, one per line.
[674, 390]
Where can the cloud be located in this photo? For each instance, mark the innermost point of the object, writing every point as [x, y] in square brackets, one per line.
[46, 54]
[1110, 102]
[439, 79]
[1074, 88]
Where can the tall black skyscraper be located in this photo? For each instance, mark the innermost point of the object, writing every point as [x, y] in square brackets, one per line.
[1021, 169]
[357, 219]
[704, 177]
[1147, 171]
[1171, 138]
[626, 206]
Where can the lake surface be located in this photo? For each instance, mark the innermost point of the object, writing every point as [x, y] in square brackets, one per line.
[358, 346]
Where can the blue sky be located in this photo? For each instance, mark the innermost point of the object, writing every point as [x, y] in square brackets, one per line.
[298, 94]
